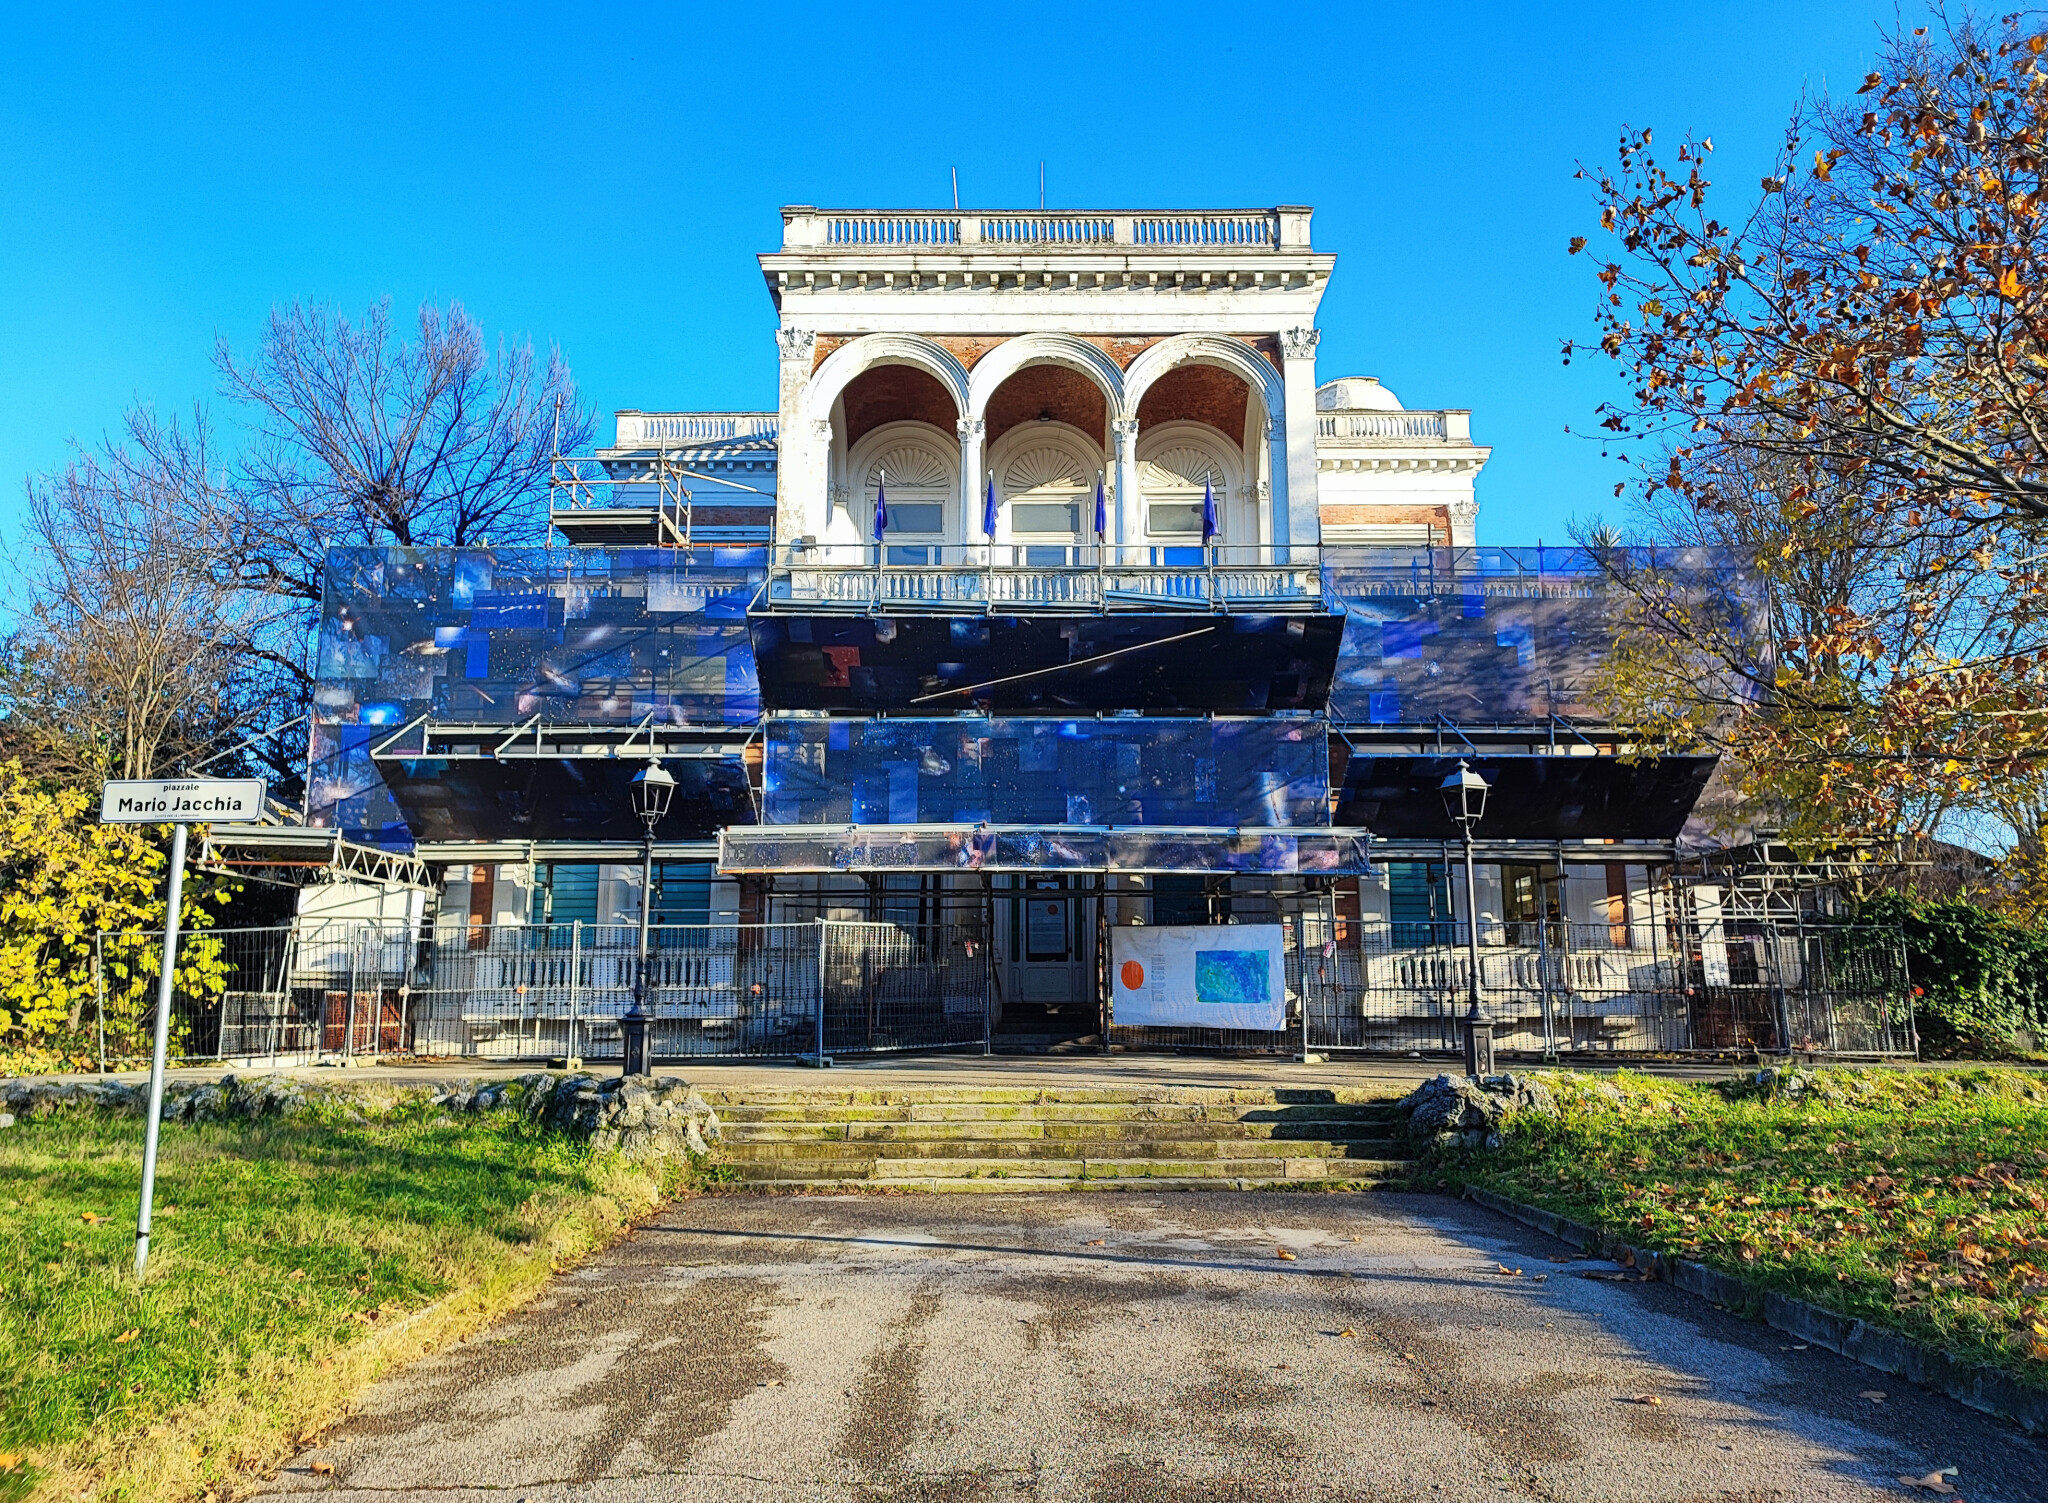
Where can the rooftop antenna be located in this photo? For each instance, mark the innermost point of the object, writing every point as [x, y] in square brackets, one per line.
[956, 190]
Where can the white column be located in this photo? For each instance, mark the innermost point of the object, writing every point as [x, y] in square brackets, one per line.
[801, 500]
[1130, 506]
[1298, 423]
[970, 430]
[1276, 481]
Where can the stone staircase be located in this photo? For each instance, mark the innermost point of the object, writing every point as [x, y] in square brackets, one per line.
[1055, 1138]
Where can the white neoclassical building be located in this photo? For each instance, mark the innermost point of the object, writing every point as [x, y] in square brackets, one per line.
[1163, 358]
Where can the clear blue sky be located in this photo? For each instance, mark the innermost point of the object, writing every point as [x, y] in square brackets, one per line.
[600, 177]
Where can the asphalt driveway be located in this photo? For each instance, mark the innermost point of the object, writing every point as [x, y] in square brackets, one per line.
[1136, 1349]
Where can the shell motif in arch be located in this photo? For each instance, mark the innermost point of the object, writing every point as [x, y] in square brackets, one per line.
[1047, 469]
[911, 467]
[1182, 468]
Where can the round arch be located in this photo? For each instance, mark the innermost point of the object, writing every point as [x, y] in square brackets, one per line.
[1204, 349]
[1049, 465]
[839, 368]
[1012, 355]
[1175, 460]
[923, 468]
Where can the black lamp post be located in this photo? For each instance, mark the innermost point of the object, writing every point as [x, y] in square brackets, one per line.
[652, 789]
[1464, 794]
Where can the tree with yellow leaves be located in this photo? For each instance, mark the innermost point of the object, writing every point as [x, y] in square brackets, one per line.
[65, 878]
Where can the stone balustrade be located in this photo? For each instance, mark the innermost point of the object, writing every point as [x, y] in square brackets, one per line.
[647, 429]
[1178, 232]
[1440, 427]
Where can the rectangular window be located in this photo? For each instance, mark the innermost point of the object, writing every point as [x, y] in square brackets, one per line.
[1180, 900]
[916, 516]
[1521, 894]
[563, 894]
[1419, 902]
[1042, 517]
[682, 895]
[1618, 927]
[1172, 519]
[483, 890]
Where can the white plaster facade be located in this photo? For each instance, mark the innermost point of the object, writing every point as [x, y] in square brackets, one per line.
[1118, 300]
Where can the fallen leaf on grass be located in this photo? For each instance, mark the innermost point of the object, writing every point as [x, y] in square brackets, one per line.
[1284, 1255]
[1875, 1395]
[1934, 1482]
[1347, 1331]
[298, 1273]
[127, 1336]
[89, 1217]
[8, 1461]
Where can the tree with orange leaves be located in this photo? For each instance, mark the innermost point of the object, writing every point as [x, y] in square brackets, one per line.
[1849, 384]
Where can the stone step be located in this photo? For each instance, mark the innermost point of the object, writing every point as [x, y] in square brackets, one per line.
[898, 1171]
[1022, 1184]
[724, 1098]
[1148, 1111]
[1038, 1150]
[1055, 1132]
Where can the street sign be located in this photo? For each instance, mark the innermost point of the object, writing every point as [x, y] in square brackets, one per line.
[181, 801]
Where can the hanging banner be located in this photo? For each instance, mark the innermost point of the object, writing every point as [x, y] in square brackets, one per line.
[1199, 976]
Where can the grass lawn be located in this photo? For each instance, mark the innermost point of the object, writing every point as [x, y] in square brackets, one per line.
[1915, 1199]
[290, 1261]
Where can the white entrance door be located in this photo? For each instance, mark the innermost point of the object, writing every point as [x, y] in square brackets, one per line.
[1045, 959]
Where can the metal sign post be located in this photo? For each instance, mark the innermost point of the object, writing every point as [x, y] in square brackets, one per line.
[179, 804]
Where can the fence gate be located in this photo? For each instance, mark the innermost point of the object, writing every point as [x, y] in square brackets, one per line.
[899, 986]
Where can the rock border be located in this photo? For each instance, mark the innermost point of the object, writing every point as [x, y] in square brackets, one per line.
[1985, 1389]
[638, 1116]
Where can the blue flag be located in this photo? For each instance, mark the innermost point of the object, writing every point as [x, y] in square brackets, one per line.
[1208, 512]
[988, 511]
[1101, 511]
[881, 510]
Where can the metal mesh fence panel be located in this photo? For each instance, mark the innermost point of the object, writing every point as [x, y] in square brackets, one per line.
[1640, 987]
[559, 990]
[537, 991]
[233, 997]
[904, 986]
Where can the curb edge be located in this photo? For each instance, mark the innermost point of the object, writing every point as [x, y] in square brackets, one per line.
[1984, 1389]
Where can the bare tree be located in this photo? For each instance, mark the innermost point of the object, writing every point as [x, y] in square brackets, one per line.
[136, 650]
[362, 436]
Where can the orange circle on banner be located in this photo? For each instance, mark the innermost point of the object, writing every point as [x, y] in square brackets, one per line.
[1133, 975]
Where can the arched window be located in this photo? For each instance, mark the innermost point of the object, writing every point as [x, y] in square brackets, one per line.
[1173, 471]
[1048, 491]
[919, 480]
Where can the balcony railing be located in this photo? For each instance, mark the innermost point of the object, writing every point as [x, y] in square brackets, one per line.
[1227, 230]
[1382, 425]
[644, 429]
[1004, 577]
